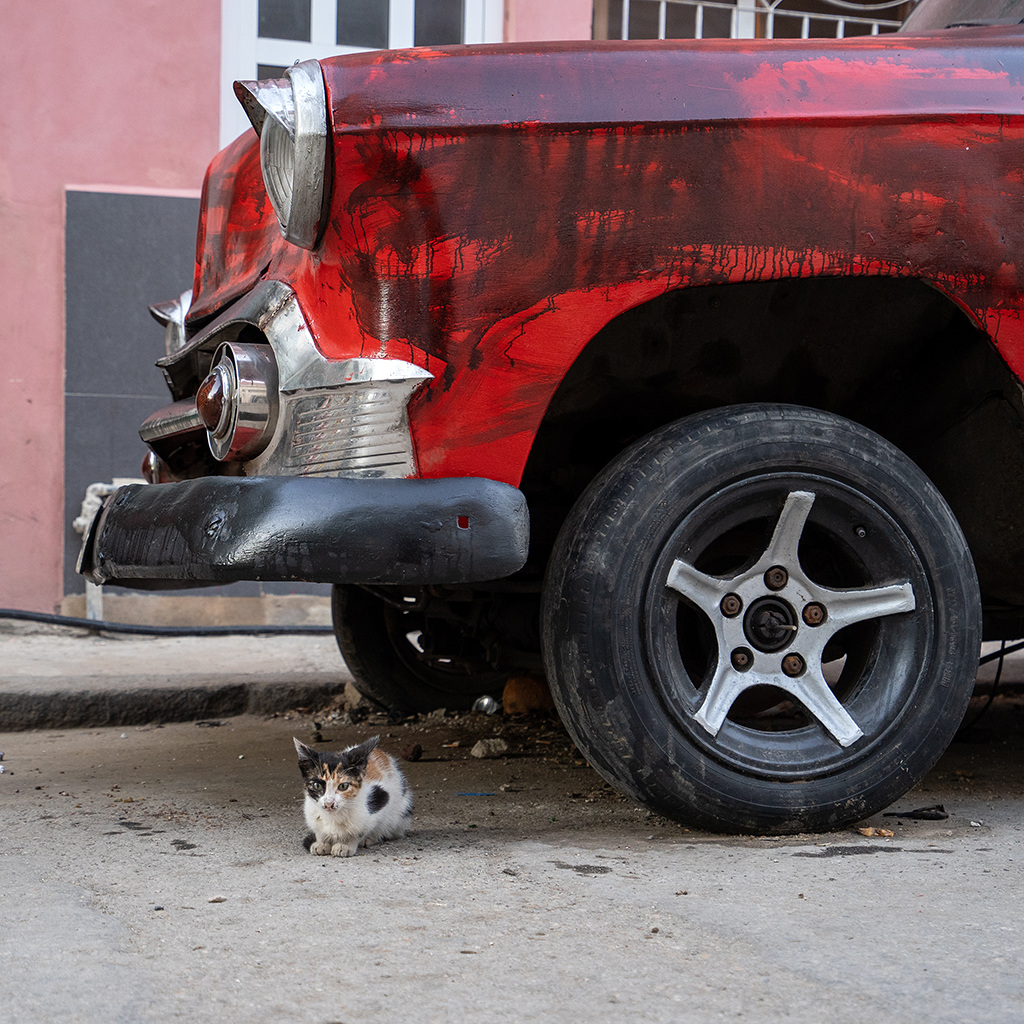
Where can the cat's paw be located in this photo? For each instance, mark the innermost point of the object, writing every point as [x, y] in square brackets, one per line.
[320, 849]
[369, 840]
[343, 850]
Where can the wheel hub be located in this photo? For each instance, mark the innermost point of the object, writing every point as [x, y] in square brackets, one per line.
[770, 624]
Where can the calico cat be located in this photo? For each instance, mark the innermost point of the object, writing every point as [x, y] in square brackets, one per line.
[354, 798]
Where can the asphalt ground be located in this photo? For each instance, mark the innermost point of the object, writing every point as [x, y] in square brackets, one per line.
[155, 872]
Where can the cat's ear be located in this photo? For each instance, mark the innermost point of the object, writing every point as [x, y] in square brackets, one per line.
[355, 758]
[307, 755]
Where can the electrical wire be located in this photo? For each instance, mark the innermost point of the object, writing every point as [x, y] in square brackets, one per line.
[101, 626]
[999, 656]
[1002, 652]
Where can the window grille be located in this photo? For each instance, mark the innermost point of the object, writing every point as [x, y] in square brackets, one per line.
[745, 19]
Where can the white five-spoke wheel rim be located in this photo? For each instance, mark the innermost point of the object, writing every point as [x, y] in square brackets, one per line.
[841, 608]
[741, 671]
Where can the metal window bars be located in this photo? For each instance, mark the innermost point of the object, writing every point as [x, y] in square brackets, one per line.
[750, 19]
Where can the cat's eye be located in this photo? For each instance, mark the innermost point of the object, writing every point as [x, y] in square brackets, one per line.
[342, 786]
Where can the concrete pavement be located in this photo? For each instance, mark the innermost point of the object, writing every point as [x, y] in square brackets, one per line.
[155, 873]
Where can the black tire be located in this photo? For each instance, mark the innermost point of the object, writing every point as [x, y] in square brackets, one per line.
[377, 636]
[640, 650]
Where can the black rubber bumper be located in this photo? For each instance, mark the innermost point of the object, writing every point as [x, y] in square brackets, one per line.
[223, 529]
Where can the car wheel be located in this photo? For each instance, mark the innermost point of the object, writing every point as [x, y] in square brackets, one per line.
[762, 619]
[382, 634]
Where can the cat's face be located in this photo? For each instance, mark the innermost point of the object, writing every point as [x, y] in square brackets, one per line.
[332, 779]
[330, 788]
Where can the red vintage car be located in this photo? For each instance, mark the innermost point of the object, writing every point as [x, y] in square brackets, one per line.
[688, 373]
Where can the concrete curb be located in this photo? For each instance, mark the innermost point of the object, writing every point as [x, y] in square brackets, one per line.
[52, 677]
[90, 706]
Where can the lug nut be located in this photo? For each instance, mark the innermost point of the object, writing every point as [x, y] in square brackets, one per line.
[793, 665]
[814, 614]
[742, 659]
[731, 605]
[776, 578]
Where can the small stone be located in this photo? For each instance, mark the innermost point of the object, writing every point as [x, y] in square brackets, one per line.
[217, 899]
[493, 747]
[412, 753]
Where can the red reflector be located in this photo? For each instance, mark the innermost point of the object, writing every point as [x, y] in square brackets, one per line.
[463, 522]
[210, 400]
[154, 469]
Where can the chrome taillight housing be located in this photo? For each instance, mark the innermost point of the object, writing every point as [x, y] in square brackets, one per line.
[290, 117]
[275, 406]
[238, 401]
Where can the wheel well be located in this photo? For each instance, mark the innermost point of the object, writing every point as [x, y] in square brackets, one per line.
[895, 355]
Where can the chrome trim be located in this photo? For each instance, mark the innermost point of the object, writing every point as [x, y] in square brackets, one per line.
[351, 422]
[297, 108]
[271, 96]
[343, 417]
[172, 421]
[250, 409]
[358, 429]
[171, 315]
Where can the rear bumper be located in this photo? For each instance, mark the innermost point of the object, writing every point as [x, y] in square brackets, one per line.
[337, 530]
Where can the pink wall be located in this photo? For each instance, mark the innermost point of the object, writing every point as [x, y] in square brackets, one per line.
[110, 95]
[548, 19]
[106, 94]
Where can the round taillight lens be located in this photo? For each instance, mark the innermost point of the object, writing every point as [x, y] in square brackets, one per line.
[237, 402]
[213, 400]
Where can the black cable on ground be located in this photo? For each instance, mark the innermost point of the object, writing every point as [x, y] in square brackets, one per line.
[101, 626]
[999, 655]
[1002, 652]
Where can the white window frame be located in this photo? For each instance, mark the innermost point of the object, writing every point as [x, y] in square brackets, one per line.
[242, 49]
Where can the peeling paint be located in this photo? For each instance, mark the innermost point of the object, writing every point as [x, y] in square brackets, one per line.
[495, 207]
